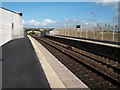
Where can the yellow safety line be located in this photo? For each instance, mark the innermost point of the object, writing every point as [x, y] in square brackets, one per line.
[52, 77]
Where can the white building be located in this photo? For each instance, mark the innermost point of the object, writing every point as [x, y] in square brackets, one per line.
[10, 25]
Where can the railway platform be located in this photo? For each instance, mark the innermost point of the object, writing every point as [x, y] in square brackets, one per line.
[102, 48]
[27, 64]
[21, 67]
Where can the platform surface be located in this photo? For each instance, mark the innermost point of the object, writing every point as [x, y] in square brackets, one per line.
[27, 64]
[61, 76]
[21, 67]
[89, 41]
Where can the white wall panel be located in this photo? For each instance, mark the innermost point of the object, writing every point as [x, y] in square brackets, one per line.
[0, 27]
[6, 31]
[6, 26]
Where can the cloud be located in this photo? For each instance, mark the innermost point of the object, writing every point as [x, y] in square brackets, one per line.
[108, 2]
[33, 22]
[36, 23]
[113, 4]
[50, 23]
[69, 21]
[47, 21]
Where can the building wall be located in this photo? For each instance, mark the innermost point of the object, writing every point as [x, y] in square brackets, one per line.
[10, 26]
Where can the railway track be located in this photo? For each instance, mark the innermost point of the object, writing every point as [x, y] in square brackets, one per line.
[101, 50]
[101, 72]
[111, 64]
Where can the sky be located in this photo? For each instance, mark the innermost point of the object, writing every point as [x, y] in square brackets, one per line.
[56, 14]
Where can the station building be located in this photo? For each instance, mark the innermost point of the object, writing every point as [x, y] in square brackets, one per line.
[10, 25]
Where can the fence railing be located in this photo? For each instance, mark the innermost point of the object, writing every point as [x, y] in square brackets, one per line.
[110, 33]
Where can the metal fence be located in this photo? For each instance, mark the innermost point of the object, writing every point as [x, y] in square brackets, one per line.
[99, 32]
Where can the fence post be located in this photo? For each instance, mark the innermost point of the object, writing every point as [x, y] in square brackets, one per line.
[102, 33]
[113, 34]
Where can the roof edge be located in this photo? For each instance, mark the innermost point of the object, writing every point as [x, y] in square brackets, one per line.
[19, 13]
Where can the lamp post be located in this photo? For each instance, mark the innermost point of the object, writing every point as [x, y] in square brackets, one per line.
[86, 24]
[102, 33]
[94, 21]
[93, 15]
